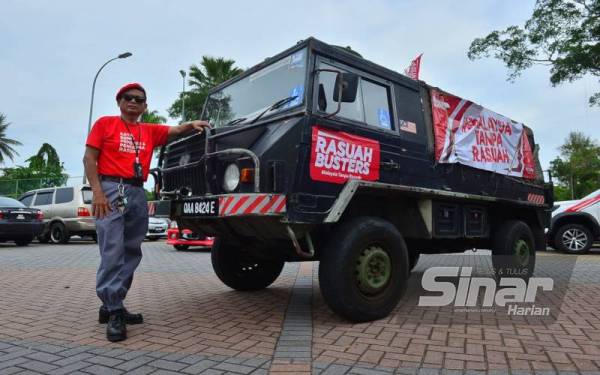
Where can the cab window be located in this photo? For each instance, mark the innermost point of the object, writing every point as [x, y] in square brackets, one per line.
[371, 106]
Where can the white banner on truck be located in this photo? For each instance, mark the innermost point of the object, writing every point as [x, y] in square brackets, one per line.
[470, 134]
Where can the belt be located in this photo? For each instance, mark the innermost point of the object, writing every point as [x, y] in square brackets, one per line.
[121, 180]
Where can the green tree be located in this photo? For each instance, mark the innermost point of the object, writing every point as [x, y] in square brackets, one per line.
[152, 117]
[211, 72]
[6, 144]
[562, 34]
[578, 167]
[44, 169]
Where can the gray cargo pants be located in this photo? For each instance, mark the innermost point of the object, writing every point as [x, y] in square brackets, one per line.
[120, 237]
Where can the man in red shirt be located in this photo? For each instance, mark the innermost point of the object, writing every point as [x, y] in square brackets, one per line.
[117, 159]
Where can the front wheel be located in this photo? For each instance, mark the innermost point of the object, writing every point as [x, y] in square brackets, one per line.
[513, 250]
[573, 238]
[364, 269]
[240, 270]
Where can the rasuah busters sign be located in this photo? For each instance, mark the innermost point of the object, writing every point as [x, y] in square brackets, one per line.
[337, 157]
[470, 134]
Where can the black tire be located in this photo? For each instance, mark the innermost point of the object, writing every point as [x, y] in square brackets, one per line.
[573, 239]
[364, 269]
[513, 250]
[413, 259]
[240, 270]
[23, 241]
[59, 234]
[181, 247]
[44, 238]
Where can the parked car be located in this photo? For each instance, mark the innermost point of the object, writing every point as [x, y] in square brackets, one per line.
[19, 223]
[67, 211]
[575, 224]
[187, 238]
[157, 228]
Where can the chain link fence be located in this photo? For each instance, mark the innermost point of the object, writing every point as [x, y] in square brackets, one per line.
[16, 188]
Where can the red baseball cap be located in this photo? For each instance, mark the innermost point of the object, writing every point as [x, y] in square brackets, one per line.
[130, 86]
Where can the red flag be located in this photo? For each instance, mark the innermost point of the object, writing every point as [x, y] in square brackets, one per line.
[413, 70]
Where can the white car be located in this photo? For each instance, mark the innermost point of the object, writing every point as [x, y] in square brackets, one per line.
[575, 224]
[157, 228]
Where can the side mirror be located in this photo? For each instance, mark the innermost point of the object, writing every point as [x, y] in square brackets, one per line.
[346, 87]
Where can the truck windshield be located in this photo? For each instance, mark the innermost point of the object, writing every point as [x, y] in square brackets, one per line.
[255, 95]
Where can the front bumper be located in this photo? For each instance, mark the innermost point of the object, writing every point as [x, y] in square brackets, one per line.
[230, 205]
[173, 238]
[157, 231]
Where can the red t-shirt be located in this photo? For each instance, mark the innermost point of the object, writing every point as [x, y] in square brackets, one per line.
[117, 152]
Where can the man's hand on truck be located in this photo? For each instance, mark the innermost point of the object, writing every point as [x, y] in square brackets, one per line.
[188, 127]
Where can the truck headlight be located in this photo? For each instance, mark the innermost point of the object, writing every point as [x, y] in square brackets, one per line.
[231, 178]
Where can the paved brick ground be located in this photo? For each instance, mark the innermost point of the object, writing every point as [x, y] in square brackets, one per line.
[194, 324]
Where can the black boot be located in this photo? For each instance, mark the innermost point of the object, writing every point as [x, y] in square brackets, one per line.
[116, 329]
[129, 317]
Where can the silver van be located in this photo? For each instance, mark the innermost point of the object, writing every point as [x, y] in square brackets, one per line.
[67, 212]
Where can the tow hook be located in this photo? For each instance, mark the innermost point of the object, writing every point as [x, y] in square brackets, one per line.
[299, 251]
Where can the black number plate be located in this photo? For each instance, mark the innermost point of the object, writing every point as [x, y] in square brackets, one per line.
[200, 207]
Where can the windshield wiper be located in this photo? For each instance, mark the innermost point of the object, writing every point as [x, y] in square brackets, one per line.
[235, 121]
[276, 105]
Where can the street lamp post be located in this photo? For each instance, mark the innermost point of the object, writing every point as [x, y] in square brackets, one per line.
[121, 56]
[182, 72]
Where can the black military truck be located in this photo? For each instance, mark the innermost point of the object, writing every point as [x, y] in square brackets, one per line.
[319, 154]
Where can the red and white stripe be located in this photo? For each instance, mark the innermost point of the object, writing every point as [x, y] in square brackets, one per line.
[584, 204]
[252, 204]
[536, 198]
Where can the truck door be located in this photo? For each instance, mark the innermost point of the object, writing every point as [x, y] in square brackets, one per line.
[370, 116]
[386, 112]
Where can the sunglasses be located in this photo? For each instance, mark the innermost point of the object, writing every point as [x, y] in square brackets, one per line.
[137, 99]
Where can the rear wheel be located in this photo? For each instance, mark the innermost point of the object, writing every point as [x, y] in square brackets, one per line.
[573, 238]
[240, 270]
[364, 269]
[513, 251]
[59, 233]
[181, 247]
[23, 241]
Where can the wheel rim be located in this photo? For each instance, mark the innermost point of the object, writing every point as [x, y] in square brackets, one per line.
[248, 267]
[574, 239]
[522, 252]
[373, 270]
[56, 234]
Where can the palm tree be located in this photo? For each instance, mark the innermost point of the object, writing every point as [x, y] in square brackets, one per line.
[46, 158]
[215, 71]
[211, 72]
[152, 117]
[6, 149]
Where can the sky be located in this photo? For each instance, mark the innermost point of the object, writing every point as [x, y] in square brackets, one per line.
[51, 51]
